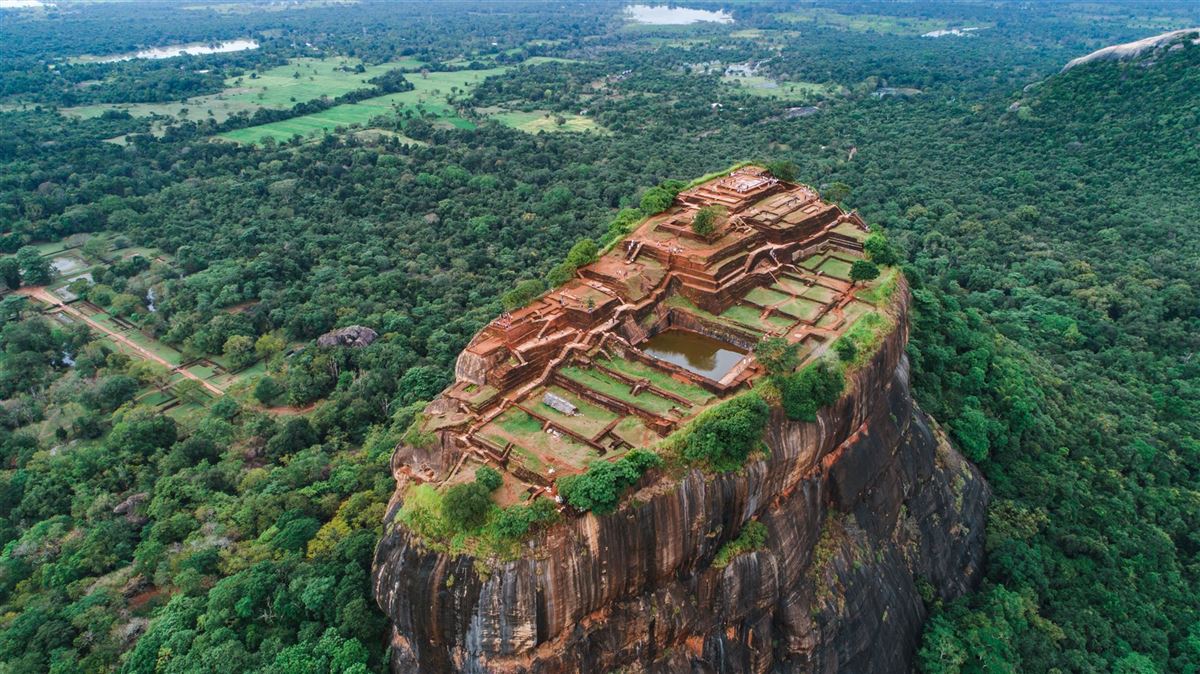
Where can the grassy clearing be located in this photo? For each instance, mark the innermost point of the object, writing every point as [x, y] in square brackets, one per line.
[591, 418]
[801, 308]
[836, 268]
[881, 289]
[430, 97]
[538, 120]
[750, 317]
[276, 88]
[820, 294]
[613, 388]
[765, 86]
[863, 23]
[662, 380]
[867, 335]
[766, 297]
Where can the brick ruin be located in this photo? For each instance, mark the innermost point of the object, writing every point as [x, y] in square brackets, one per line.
[542, 391]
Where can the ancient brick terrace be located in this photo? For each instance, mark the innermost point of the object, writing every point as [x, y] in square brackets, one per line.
[660, 327]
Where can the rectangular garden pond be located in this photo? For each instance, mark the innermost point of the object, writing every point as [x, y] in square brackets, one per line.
[707, 357]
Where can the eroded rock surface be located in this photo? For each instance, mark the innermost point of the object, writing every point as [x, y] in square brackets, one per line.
[866, 508]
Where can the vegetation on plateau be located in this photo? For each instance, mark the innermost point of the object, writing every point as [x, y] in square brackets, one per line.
[1044, 220]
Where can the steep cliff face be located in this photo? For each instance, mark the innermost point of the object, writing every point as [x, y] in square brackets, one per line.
[866, 509]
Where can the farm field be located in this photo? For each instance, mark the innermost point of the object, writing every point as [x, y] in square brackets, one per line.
[430, 95]
[276, 88]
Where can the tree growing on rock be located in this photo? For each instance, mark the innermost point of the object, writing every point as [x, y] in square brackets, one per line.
[705, 221]
[863, 270]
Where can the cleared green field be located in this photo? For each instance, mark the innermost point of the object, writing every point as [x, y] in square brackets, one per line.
[766, 297]
[765, 86]
[802, 308]
[598, 381]
[301, 80]
[863, 23]
[591, 418]
[664, 381]
[750, 317]
[535, 121]
[836, 268]
[429, 96]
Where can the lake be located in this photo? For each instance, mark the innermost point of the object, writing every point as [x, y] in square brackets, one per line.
[664, 15]
[195, 49]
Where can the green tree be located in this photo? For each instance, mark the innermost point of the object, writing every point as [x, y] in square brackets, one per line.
[784, 170]
[524, 293]
[837, 192]
[863, 270]
[239, 349]
[879, 250]
[10, 272]
[35, 269]
[704, 222]
[777, 355]
[656, 200]
[267, 345]
[267, 390]
[466, 505]
[722, 437]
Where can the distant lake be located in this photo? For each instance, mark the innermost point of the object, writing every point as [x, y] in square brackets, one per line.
[195, 49]
[664, 15]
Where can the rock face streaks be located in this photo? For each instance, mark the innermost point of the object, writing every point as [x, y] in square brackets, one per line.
[865, 508]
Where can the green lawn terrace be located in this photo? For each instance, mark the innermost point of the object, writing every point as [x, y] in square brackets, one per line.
[574, 377]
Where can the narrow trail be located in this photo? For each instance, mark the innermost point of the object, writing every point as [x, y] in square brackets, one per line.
[40, 293]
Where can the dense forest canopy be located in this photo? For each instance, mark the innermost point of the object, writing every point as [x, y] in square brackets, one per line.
[1047, 221]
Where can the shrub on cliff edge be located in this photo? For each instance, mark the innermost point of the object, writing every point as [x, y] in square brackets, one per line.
[599, 489]
[809, 390]
[722, 437]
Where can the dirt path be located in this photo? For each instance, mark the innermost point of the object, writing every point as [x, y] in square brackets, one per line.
[40, 293]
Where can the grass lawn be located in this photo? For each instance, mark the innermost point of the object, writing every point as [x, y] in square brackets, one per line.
[880, 289]
[802, 308]
[632, 430]
[515, 426]
[766, 297]
[836, 268]
[820, 294]
[154, 346]
[51, 247]
[661, 379]
[613, 388]
[430, 96]
[812, 261]
[591, 418]
[749, 317]
[188, 414]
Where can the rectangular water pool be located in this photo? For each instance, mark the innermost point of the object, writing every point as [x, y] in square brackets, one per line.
[693, 351]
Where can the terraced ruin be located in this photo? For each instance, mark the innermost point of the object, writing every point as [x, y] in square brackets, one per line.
[657, 329]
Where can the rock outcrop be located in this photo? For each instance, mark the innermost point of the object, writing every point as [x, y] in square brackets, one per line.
[354, 336]
[1131, 50]
[869, 512]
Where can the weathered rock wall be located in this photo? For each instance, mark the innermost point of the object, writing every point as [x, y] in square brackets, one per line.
[864, 508]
